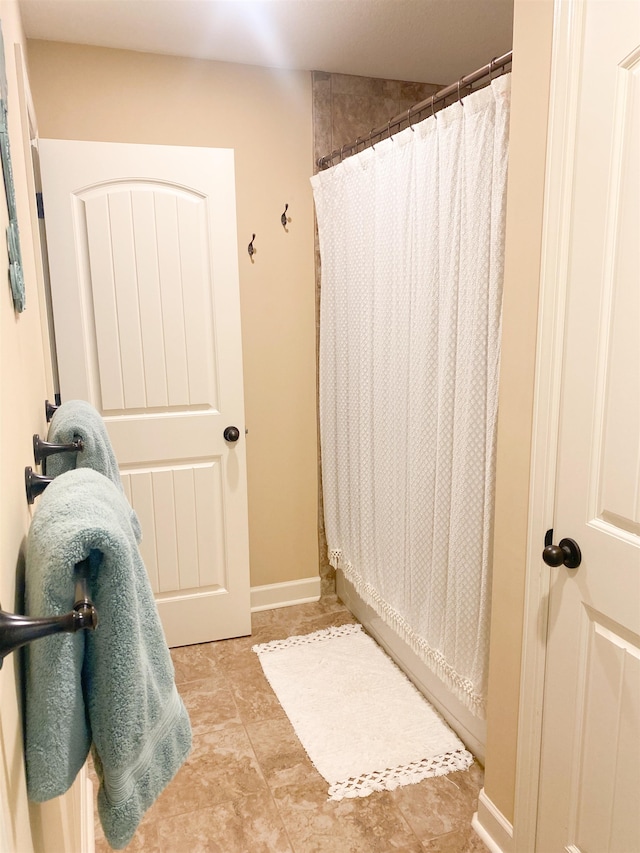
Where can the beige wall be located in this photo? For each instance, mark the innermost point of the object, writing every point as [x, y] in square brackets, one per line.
[265, 116]
[527, 148]
[25, 382]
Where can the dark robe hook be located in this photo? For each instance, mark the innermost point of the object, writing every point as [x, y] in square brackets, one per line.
[283, 218]
[250, 248]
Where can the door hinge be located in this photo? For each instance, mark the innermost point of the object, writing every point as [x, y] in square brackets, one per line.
[40, 205]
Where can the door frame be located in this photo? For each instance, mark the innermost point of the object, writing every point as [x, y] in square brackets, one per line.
[568, 34]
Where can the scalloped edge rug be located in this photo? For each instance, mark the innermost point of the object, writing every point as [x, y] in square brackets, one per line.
[362, 723]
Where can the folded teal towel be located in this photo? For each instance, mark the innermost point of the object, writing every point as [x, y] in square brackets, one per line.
[112, 687]
[79, 419]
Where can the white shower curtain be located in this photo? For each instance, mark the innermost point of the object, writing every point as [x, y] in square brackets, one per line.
[411, 242]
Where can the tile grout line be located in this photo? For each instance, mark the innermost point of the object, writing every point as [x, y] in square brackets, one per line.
[258, 762]
[271, 797]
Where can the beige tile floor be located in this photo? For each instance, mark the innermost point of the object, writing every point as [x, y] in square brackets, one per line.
[248, 786]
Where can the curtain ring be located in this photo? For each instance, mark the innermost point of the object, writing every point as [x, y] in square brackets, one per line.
[491, 68]
[433, 111]
[341, 152]
[459, 98]
[389, 130]
[409, 118]
[356, 143]
[372, 137]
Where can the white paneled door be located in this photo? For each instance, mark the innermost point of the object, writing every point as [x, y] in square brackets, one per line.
[144, 279]
[590, 772]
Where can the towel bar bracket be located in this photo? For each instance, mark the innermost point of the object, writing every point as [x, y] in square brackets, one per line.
[83, 607]
[34, 484]
[17, 630]
[43, 449]
[50, 409]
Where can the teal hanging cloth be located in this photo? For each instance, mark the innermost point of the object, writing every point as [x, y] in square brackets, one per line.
[112, 692]
[16, 276]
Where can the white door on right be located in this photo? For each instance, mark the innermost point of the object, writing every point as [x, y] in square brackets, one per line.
[589, 796]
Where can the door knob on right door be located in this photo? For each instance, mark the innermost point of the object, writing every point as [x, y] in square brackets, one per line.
[566, 553]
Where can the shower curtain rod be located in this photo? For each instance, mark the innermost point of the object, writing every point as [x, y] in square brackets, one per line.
[496, 63]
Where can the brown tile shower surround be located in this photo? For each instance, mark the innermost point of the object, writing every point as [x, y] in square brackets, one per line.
[346, 107]
[248, 786]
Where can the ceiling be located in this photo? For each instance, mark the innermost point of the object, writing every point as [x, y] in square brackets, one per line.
[434, 41]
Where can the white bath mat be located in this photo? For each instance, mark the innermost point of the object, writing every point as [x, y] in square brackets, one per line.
[361, 721]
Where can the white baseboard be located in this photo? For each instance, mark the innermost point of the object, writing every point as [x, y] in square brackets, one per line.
[87, 831]
[273, 595]
[492, 826]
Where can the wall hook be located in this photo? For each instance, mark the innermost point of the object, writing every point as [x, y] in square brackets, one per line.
[250, 248]
[284, 218]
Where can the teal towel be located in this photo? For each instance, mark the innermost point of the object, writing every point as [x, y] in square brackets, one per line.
[79, 419]
[112, 688]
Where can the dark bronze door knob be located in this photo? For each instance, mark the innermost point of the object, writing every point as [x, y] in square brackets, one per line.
[231, 434]
[566, 553]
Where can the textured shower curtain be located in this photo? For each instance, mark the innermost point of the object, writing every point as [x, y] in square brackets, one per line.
[412, 245]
